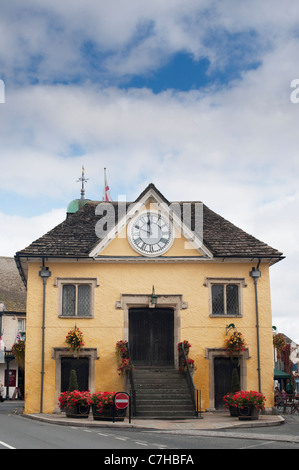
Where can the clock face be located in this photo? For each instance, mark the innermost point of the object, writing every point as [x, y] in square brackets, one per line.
[150, 234]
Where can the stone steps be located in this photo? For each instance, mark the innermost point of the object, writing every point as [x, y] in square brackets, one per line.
[162, 393]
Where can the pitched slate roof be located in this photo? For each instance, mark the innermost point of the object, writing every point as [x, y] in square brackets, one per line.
[76, 237]
[12, 291]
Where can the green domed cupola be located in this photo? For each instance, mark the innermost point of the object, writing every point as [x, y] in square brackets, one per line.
[77, 204]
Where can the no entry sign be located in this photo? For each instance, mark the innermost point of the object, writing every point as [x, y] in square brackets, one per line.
[121, 400]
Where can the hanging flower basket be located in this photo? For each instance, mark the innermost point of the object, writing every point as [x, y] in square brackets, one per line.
[279, 341]
[18, 349]
[124, 363]
[75, 341]
[121, 348]
[124, 366]
[235, 344]
[183, 366]
[184, 345]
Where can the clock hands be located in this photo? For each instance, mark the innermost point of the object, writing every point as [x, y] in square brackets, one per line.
[151, 234]
[149, 231]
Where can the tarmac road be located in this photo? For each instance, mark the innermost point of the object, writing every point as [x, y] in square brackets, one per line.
[19, 432]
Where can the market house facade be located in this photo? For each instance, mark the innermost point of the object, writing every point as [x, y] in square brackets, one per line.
[207, 274]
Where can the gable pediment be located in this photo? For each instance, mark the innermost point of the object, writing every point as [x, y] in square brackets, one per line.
[114, 239]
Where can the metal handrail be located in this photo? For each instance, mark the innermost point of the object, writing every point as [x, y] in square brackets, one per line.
[132, 381]
[194, 392]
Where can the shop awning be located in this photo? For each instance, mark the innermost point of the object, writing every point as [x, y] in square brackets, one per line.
[279, 374]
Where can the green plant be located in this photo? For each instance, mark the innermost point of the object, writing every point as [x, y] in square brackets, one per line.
[73, 382]
[235, 387]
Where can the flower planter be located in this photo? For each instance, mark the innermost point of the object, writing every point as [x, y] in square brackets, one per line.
[234, 411]
[106, 413]
[248, 412]
[77, 411]
[248, 403]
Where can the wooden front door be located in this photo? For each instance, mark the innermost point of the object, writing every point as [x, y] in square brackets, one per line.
[151, 336]
[223, 372]
[81, 366]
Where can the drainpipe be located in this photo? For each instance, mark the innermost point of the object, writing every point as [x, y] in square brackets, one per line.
[44, 274]
[256, 274]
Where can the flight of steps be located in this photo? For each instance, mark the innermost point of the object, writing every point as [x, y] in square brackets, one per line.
[162, 393]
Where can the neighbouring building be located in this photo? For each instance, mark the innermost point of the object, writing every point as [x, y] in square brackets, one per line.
[100, 269]
[286, 359]
[12, 324]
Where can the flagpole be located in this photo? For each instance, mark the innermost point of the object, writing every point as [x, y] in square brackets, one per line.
[106, 192]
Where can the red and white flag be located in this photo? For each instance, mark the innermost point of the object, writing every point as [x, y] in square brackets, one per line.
[106, 192]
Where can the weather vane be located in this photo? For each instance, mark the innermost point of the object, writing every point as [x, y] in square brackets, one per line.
[83, 180]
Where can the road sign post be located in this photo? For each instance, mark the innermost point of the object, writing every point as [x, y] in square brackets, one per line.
[121, 401]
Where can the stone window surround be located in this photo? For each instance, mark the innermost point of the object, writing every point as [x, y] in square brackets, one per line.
[58, 353]
[61, 281]
[240, 282]
[175, 302]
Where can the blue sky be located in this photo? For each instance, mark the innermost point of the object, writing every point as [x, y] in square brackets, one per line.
[181, 73]
[193, 96]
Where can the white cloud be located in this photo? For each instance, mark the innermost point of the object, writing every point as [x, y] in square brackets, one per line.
[44, 40]
[17, 232]
[234, 147]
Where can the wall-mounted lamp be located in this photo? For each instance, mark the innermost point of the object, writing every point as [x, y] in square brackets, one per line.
[154, 297]
[255, 273]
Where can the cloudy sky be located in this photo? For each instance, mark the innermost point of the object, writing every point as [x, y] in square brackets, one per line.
[195, 96]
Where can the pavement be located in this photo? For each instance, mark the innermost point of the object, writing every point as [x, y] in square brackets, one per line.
[208, 421]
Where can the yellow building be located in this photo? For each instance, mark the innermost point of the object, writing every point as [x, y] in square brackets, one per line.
[153, 273]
